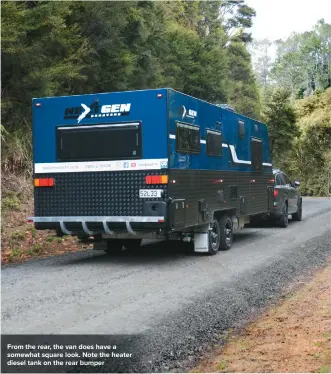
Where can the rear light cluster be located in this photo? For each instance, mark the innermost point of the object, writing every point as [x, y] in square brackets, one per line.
[156, 179]
[44, 182]
[275, 193]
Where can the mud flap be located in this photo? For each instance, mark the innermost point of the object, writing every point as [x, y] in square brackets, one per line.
[201, 242]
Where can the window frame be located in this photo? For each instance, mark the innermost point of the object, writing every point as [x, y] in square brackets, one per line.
[123, 125]
[278, 175]
[213, 132]
[189, 126]
[287, 180]
[260, 141]
[241, 134]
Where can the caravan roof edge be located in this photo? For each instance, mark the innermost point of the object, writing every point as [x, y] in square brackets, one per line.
[101, 93]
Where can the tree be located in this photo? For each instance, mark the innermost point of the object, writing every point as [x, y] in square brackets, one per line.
[310, 159]
[243, 91]
[42, 55]
[262, 61]
[303, 62]
[280, 117]
[236, 18]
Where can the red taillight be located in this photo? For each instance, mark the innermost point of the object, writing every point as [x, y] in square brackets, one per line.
[275, 193]
[156, 179]
[44, 182]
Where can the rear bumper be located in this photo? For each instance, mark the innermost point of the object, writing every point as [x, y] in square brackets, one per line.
[92, 225]
[277, 211]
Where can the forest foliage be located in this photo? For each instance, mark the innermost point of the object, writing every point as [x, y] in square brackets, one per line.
[52, 48]
[296, 100]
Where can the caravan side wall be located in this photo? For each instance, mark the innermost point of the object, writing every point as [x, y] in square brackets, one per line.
[99, 149]
[218, 160]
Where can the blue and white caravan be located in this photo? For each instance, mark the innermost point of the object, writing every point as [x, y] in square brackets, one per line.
[124, 166]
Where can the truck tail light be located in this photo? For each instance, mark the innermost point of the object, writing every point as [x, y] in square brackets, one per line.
[156, 179]
[276, 193]
[44, 182]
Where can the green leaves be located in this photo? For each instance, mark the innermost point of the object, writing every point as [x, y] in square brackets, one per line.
[243, 92]
[281, 120]
[304, 61]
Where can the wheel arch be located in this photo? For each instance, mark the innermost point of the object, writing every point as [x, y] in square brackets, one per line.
[220, 213]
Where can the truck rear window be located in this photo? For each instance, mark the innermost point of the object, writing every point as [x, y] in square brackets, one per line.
[99, 142]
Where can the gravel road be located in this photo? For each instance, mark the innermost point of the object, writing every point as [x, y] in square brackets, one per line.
[178, 302]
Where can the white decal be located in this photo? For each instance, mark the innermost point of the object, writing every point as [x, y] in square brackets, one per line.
[189, 113]
[86, 111]
[184, 112]
[235, 158]
[164, 164]
[192, 113]
[71, 167]
[116, 108]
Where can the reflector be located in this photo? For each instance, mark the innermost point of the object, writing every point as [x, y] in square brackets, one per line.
[44, 182]
[156, 179]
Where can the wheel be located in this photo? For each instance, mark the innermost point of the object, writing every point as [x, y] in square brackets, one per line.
[283, 220]
[226, 237]
[132, 244]
[214, 237]
[114, 246]
[298, 215]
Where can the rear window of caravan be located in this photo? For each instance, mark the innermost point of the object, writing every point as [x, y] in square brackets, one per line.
[99, 142]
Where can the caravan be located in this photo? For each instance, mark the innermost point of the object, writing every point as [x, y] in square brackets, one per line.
[158, 164]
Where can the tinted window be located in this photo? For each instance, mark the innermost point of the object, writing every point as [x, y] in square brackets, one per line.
[256, 150]
[278, 180]
[241, 129]
[214, 143]
[99, 142]
[285, 179]
[188, 138]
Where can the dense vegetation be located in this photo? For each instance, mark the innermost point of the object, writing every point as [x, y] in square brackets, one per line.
[296, 98]
[198, 47]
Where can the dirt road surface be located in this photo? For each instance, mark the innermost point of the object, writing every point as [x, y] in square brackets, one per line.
[179, 303]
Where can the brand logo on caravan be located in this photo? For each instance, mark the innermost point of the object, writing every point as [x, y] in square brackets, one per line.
[96, 111]
[189, 113]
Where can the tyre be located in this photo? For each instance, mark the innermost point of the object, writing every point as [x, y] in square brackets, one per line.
[114, 246]
[298, 215]
[226, 237]
[283, 219]
[132, 244]
[214, 238]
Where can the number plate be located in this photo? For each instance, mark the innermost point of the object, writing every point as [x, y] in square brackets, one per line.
[150, 193]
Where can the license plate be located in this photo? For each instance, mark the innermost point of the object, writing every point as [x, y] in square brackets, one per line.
[150, 193]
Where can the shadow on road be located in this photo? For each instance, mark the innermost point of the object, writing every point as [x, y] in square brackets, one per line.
[147, 253]
[167, 251]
